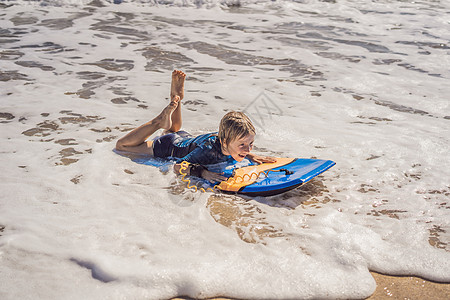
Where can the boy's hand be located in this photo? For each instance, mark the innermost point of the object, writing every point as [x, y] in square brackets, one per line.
[261, 159]
[213, 176]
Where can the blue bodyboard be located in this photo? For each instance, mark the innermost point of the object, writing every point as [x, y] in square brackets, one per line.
[252, 179]
[271, 179]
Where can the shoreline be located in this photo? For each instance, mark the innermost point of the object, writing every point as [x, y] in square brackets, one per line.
[408, 287]
[393, 287]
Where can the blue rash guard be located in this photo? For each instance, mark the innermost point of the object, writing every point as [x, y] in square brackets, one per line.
[204, 149]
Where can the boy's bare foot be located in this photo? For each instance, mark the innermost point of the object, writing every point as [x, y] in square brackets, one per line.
[165, 117]
[177, 86]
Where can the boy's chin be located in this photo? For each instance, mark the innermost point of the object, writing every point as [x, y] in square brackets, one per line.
[238, 158]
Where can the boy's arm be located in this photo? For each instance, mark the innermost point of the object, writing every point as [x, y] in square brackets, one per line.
[195, 158]
[261, 159]
[191, 170]
[201, 172]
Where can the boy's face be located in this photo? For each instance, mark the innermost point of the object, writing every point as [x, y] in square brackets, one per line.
[239, 148]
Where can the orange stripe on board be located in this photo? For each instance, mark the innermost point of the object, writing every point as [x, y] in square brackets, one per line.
[248, 175]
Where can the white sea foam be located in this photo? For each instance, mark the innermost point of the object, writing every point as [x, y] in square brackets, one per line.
[362, 83]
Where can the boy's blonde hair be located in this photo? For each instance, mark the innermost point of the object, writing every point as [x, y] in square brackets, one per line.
[234, 125]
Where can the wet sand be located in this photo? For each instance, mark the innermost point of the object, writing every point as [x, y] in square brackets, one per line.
[407, 287]
[398, 287]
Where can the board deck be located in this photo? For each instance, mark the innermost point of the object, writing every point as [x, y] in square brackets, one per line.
[279, 177]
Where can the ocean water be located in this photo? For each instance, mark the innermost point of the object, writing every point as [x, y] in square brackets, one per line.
[363, 83]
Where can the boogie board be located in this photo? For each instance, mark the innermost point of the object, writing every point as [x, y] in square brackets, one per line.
[269, 179]
[251, 179]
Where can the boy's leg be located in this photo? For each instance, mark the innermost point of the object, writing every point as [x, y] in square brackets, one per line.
[177, 89]
[135, 140]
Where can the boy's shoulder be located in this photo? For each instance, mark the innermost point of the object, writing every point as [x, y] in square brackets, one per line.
[207, 139]
[209, 150]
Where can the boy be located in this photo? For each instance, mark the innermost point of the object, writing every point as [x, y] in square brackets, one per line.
[234, 139]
